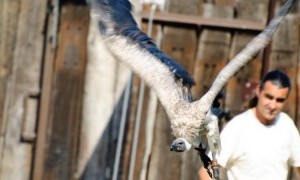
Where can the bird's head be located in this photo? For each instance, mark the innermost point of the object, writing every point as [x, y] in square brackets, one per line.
[180, 145]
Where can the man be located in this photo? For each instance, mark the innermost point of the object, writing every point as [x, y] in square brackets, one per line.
[262, 143]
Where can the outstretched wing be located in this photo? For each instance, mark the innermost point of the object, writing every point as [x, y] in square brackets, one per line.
[128, 43]
[247, 54]
[116, 19]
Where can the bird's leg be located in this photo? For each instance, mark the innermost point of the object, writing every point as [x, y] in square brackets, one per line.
[204, 158]
[215, 167]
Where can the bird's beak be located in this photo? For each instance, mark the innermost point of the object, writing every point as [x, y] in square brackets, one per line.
[176, 148]
[172, 148]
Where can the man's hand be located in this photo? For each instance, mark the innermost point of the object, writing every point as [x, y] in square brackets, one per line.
[203, 174]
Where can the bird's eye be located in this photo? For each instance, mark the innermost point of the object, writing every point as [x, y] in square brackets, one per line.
[181, 143]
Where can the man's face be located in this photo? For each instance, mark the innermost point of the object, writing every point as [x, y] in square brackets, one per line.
[271, 100]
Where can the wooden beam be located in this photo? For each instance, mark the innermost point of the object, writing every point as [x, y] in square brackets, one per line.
[65, 107]
[234, 24]
[45, 99]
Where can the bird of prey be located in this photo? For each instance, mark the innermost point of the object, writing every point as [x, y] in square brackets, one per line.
[190, 119]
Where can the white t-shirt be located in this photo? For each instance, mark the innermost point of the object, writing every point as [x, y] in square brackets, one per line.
[253, 151]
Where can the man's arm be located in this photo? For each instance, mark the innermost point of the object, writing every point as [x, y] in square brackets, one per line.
[203, 174]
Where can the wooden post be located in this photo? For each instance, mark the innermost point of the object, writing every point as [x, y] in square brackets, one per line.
[66, 93]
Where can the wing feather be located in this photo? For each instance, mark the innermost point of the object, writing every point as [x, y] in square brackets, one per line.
[115, 18]
[247, 54]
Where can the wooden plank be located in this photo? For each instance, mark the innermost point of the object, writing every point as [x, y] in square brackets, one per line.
[208, 62]
[191, 7]
[245, 9]
[224, 2]
[8, 35]
[220, 23]
[178, 42]
[67, 92]
[24, 75]
[284, 56]
[9, 11]
[50, 52]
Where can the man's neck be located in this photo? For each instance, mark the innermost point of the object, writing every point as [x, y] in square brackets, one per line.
[261, 119]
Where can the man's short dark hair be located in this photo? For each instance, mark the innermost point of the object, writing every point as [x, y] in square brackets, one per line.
[278, 78]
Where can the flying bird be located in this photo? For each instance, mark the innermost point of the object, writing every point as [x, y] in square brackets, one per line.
[190, 119]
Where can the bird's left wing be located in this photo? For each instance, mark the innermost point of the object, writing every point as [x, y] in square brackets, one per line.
[128, 43]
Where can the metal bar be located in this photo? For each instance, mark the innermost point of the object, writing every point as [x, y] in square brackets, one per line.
[122, 127]
[136, 131]
[234, 24]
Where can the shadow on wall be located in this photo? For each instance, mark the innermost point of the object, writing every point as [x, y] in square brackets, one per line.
[101, 163]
